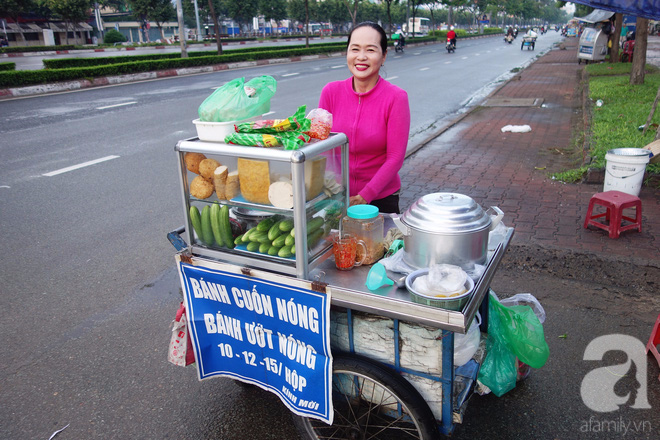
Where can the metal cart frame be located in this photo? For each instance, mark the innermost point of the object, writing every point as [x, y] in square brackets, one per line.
[399, 310]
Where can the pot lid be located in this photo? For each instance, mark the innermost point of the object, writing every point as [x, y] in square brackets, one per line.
[447, 213]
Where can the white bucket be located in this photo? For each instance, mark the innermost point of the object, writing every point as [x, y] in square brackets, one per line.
[624, 170]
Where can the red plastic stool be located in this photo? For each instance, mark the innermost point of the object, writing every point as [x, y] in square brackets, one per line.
[654, 340]
[615, 202]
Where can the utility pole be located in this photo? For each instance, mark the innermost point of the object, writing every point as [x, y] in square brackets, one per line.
[182, 31]
[199, 29]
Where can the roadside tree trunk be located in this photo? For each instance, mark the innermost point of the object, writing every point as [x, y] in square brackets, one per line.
[306, 23]
[216, 27]
[639, 55]
[618, 25]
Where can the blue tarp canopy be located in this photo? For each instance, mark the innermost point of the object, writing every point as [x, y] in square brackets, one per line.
[640, 8]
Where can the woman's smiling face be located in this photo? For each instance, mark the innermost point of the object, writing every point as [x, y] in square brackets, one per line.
[365, 57]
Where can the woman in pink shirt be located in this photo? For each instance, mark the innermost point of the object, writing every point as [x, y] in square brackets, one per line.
[375, 115]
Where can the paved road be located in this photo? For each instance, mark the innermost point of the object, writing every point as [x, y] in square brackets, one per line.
[88, 276]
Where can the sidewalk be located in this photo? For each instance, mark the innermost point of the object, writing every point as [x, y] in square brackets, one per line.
[510, 170]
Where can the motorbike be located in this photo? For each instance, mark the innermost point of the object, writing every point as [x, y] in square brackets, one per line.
[398, 46]
[509, 38]
[451, 47]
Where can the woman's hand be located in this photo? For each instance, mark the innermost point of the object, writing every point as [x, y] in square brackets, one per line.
[356, 200]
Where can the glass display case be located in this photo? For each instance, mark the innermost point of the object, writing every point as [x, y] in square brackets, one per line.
[266, 208]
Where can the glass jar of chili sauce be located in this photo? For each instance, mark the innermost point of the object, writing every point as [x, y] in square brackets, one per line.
[365, 223]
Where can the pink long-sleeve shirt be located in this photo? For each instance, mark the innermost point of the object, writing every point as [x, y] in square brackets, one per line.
[377, 124]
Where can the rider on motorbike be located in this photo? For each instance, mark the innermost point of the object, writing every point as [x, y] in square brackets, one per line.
[399, 39]
[451, 35]
[509, 35]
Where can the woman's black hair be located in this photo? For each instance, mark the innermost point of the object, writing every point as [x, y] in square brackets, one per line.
[377, 28]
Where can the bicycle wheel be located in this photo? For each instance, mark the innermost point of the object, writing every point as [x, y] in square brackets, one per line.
[371, 402]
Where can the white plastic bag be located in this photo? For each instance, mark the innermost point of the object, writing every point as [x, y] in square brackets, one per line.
[395, 263]
[466, 345]
[526, 299]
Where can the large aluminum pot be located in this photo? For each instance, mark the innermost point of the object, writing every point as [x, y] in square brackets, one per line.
[446, 228]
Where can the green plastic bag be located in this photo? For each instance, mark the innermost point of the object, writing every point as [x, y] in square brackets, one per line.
[523, 333]
[238, 100]
[498, 371]
[512, 332]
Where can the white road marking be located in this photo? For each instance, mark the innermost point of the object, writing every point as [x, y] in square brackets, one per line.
[390, 78]
[338, 67]
[116, 105]
[477, 54]
[5, 186]
[424, 68]
[464, 58]
[80, 165]
[290, 74]
[447, 62]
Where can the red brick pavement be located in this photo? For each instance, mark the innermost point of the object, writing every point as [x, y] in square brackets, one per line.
[510, 170]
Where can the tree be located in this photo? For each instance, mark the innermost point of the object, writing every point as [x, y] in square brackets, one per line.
[615, 37]
[273, 10]
[242, 11]
[142, 9]
[216, 26]
[639, 60]
[414, 5]
[302, 10]
[163, 11]
[388, 7]
[71, 11]
[14, 9]
[335, 12]
[352, 6]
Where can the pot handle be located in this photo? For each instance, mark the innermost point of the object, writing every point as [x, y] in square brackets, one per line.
[399, 224]
[496, 219]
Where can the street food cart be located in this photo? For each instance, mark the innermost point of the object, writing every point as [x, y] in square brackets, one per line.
[282, 321]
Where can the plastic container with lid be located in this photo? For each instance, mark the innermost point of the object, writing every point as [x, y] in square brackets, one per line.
[366, 224]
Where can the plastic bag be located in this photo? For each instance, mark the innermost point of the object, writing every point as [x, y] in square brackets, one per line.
[321, 124]
[526, 299]
[498, 371]
[238, 100]
[465, 346]
[496, 236]
[297, 122]
[513, 332]
[523, 333]
[396, 263]
[290, 140]
[180, 351]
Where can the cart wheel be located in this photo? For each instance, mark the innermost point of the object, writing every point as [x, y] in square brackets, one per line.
[522, 45]
[371, 401]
